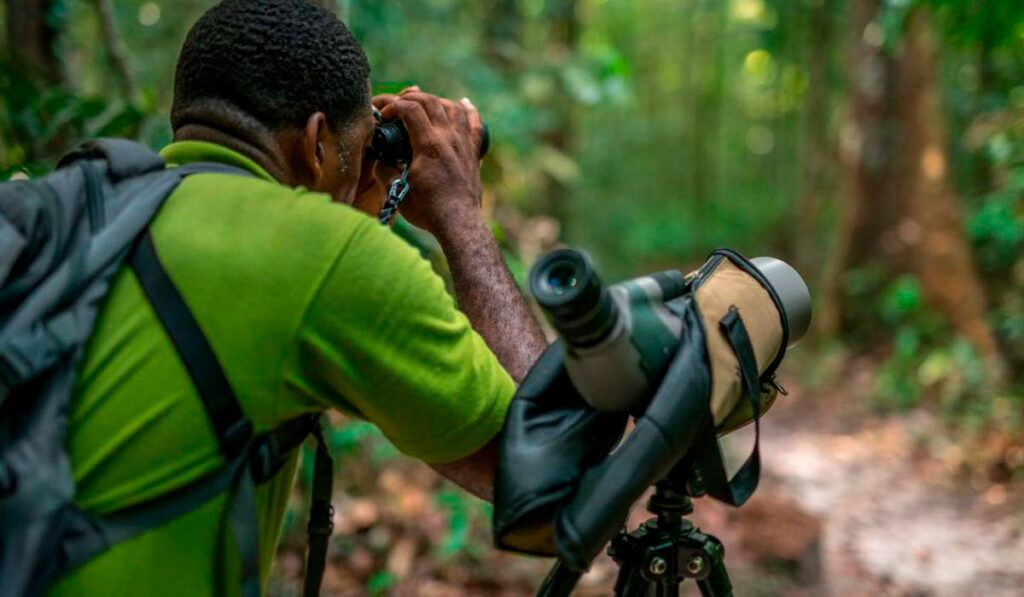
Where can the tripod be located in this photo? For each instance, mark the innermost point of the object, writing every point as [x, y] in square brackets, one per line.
[657, 557]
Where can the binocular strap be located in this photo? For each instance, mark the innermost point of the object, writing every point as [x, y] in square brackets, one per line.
[399, 188]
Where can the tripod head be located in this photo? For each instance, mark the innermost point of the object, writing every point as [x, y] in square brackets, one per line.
[667, 550]
[659, 555]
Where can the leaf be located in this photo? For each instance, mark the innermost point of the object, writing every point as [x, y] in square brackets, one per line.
[379, 582]
[118, 120]
[557, 164]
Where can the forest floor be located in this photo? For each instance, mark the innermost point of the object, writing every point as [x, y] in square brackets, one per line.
[899, 515]
[851, 504]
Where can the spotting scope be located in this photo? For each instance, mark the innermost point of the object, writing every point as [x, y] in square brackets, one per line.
[620, 339]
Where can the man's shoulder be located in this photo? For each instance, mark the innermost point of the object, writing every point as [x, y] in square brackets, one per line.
[249, 193]
[223, 236]
[264, 211]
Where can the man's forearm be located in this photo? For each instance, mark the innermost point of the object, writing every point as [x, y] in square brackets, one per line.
[488, 295]
[445, 201]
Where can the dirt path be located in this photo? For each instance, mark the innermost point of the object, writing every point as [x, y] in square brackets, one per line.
[894, 524]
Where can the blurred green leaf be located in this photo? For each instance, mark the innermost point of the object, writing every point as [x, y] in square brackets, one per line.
[380, 583]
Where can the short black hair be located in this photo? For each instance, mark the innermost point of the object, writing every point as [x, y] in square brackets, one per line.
[276, 61]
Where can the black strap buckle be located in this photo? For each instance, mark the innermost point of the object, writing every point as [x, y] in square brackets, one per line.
[321, 520]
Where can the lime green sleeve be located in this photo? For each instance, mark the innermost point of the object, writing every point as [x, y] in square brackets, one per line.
[383, 340]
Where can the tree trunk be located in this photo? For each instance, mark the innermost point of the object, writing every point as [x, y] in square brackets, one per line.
[902, 214]
[942, 254]
[31, 39]
[865, 224]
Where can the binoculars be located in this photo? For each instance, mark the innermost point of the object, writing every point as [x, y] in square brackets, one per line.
[390, 144]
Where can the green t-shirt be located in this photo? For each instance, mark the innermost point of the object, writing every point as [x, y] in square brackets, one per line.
[309, 305]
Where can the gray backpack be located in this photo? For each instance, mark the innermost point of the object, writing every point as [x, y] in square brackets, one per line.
[62, 239]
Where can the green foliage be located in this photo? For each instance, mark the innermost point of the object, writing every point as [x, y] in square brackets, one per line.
[949, 375]
[995, 140]
[40, 121]
[701, 153]
[898, 386]
[458, 507]
[902, 300]
[380, 583]
[997, 226]
[994, 23]
[927, 363]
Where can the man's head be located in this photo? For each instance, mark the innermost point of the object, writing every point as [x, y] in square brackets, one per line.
[286, 73]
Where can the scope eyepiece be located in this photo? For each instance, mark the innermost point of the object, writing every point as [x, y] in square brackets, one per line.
[566, 286]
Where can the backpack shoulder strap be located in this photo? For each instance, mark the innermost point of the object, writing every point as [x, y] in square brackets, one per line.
[265, 454]
[233, 429]
[127, 159]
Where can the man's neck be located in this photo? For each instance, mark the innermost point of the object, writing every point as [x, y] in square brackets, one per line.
[259, 148]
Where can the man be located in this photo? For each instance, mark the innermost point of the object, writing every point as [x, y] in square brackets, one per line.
[308, 303]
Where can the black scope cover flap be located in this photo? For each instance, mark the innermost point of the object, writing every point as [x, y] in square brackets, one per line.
[551, 437]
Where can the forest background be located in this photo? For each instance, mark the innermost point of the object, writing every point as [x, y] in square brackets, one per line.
[876, 144]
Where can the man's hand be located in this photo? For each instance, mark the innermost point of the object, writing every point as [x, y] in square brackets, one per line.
[445, 200]
[445, 175]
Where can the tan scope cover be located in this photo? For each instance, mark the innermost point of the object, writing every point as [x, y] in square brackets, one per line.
[728, 286]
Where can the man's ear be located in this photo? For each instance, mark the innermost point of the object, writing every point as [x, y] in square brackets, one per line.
[312, 150]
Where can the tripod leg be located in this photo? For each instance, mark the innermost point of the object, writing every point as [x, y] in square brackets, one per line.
[631, 583]
[559, 582]
[716, 584]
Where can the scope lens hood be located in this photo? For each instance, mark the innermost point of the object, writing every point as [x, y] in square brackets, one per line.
[792, 292]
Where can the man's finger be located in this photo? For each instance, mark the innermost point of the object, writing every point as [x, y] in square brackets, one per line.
[432, 104]
[476, 123]
[409, 112]
[458, 115]
[379, 101]
[414, 117]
